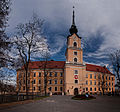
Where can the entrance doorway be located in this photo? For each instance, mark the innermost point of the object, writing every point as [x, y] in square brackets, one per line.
[76, 91]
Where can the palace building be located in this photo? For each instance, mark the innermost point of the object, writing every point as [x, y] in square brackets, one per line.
[69, 77]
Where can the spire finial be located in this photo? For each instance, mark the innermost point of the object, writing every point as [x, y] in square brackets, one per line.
[73, 22]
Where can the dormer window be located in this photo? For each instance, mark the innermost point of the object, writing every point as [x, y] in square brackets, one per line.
[75, 44]
[75, 59]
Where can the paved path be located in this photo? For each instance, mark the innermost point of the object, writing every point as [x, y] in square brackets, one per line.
[66, 104]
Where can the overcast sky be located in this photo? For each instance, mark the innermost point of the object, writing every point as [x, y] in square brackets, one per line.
[98, 23]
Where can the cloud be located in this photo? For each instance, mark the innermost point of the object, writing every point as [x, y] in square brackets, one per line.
[91, 17]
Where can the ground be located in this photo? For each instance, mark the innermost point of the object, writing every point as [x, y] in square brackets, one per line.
[66, 104]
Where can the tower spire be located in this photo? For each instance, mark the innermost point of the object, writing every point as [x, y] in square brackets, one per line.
[73, 28]
[73, 21]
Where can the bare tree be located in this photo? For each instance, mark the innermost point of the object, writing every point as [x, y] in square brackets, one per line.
[115, 61]
[4, 12]
[46, 57]
[28, 43]
[102, 82]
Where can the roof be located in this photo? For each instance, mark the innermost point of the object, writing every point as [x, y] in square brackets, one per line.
[96, 68]
[46, 64]
[61, 64]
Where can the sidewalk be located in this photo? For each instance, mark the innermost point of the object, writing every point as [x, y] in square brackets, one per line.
[8, 105]
[13, 104]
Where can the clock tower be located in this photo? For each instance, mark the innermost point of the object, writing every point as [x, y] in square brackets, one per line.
[74, 68]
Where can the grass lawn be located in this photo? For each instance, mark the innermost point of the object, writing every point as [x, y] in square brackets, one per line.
[41, 97]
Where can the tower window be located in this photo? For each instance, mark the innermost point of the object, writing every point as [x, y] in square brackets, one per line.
[76, 81]
[75, 53]
[75, 44]
[75, 59]
[75, 71]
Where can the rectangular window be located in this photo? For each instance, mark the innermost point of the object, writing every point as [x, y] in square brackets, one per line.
[86, 89]
[106, 77]
[23, 81]
[75, 53]
[34, 74]
[39, 88]
[76, 81]
[90, 89]
[61, 74]
[55, 74]
[90, 76]
[86, 82]
[50, 81]
[55, 88]
[50, 88]
[112, 84]
[75, 71]
[109, 77]
[95, 89]
[99, 89]
[110, 89]
[95, 83]
[39, 81]
[98, 83]
[86, 75]
[109, 83]
[112, 78]
[90, 82]
[50, 74]
[39, 74]
[34, 81]
[23, 87]
[61, 88]
[95, 76]
[34, 88]
[55, 81]
[106, 83]
[61, 81]
[29, 74]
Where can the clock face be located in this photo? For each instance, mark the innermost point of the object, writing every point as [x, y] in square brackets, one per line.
[74, 37]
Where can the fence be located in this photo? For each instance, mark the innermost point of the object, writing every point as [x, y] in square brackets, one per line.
[14, 98]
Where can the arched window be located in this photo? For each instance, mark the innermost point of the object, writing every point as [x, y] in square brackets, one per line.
[75, 44]
[75, 59]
